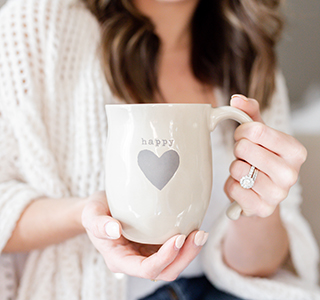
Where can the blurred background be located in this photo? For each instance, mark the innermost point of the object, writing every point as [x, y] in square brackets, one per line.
[298, 51]
[299, 58]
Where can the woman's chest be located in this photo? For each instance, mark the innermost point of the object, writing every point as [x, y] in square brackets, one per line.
[178, 84]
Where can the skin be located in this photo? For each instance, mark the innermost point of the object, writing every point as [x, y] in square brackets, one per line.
[255, 245]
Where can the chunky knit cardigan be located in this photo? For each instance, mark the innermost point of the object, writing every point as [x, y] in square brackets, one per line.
[52, 134]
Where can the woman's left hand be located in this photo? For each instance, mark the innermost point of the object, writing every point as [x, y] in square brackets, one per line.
[277, 156]
[156, 262]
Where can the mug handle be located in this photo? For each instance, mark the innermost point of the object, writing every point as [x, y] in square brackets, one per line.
[219, 114]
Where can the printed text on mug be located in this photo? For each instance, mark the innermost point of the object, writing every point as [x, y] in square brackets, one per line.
[157, 142]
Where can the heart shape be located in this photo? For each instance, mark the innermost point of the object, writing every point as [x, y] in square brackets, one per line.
[158, 170]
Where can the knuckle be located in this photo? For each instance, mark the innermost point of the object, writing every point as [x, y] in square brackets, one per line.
[233, 189]
[95, 229]
[88, 214]
[265, 210]
[279, 195]
[241, 148]
[248, 213]
[298, 152]
[290, 177]
[237, 170]
[258, 131]
[301, 154]
[149, 271]
[148, 274]
[250, 210]
[256, 104]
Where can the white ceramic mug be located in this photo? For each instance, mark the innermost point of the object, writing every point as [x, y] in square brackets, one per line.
[159, 167]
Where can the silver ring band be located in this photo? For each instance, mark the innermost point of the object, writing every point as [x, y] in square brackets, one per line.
[247, 182]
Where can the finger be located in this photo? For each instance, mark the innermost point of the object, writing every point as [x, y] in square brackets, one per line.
[274, 166]
[156, 263]
[100, 225]
[249, 106]
[249, 200]
[263, 185]
[187, 254]
[103, 227]
[278, 142]
[150, 267]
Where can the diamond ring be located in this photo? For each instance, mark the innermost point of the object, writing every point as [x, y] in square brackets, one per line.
[247, 181]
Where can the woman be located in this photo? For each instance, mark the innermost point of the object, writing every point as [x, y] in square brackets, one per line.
[61, 62]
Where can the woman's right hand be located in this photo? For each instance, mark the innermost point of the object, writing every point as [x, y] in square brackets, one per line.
[154, 262]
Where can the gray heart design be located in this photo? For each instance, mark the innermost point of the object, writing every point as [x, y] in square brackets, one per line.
[158, 170]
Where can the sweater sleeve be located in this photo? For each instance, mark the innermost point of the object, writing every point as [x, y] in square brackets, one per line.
[303, 247]
[43, 53]
[21, 64]
[40, 43]
[15, 194]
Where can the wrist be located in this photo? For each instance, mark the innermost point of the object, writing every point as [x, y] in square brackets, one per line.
[256, 246]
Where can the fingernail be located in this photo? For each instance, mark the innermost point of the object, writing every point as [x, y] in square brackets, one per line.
[180, 241]
[240, 96]
[201, 238]
[113, 230]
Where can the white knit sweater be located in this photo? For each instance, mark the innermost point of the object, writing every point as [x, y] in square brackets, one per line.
[52, 134]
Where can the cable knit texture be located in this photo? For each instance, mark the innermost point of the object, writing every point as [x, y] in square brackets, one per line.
[53, 130]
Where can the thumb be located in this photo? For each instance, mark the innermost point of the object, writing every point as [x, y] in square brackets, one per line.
[98, 223]
[248, 105]
[105, 227]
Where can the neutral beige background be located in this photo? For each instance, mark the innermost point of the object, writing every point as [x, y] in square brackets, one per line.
[299, 53]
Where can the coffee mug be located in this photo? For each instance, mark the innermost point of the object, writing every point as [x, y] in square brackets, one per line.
[159, 167]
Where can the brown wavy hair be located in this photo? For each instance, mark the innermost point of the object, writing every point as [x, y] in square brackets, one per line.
[233, 47]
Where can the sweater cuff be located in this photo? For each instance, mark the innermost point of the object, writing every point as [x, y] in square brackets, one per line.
[283, 285]
[15, 196]
[304, 251]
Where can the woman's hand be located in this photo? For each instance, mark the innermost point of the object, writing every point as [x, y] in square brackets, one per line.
[164, 262]
[277, 156]
[258, 244]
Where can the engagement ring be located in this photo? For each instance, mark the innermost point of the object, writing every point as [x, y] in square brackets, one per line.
[247, 181]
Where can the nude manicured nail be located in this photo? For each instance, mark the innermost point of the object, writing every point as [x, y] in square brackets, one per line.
[113, 230]
[201, 238]
[240, 96]
[180, 241]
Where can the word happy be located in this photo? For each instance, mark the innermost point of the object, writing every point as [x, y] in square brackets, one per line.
[157, 142]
